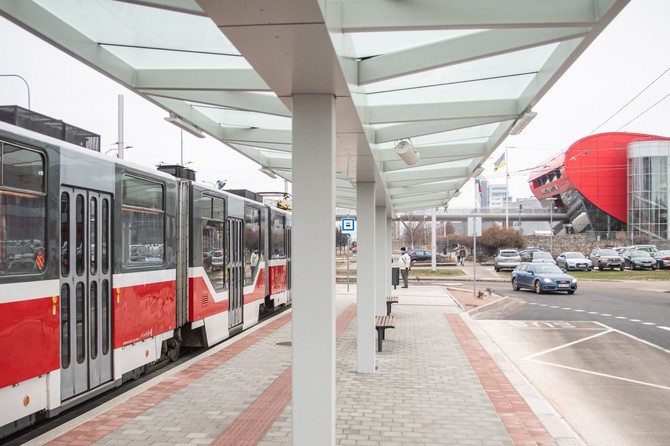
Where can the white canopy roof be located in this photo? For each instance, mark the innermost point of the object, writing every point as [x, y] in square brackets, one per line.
[453, 77]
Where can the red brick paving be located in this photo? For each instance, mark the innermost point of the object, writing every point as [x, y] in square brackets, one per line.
[520, 421]
[250, 426]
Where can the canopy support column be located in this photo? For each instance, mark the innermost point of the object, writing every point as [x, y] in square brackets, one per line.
[313, 257]
[365, 210]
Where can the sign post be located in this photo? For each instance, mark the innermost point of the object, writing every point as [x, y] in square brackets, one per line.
[474, 230]
[348, 225]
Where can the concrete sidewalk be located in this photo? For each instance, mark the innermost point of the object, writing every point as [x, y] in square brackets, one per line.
[439, 381]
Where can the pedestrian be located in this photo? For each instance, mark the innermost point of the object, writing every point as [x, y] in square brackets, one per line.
[461, 256]
[404, 263]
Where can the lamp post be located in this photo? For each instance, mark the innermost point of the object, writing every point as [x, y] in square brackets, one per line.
[24, 81]
[551, 224]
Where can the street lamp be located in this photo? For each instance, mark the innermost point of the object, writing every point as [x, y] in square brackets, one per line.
[551, 224]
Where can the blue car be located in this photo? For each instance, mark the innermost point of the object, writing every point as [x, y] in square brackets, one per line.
[542, 277]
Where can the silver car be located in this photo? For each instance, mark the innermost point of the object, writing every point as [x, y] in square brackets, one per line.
[507, 259]
[569, 261]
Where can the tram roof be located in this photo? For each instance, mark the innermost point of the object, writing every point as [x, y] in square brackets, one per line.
[454, 77]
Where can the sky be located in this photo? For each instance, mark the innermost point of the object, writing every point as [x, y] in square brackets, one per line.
[626, 63]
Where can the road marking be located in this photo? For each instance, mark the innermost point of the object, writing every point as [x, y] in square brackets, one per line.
[566, 308]
[621, 317]
[531, 357]
[664, 328]
[593, 312]
[635, 320]
[606, 314]
[648, 323]
[579, 311]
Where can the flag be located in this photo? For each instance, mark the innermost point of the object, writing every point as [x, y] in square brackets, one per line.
[498, 164]
[479, 186]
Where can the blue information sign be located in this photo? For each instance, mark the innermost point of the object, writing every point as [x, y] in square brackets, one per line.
[348, 224]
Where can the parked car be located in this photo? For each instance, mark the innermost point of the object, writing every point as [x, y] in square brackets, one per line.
[419, 255]
[542, 257]
[606, 258]
[662, 257]
[542, 277]
[217, 259]
[637, 259]
[526, 254]
[651, 249]
[571, 260]
[507, 259]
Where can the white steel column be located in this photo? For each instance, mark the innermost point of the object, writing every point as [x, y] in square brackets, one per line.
[389, 254]
[382, 261]
[365, 210]
[313, 250]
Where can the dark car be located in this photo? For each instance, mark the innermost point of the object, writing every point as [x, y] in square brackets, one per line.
[663, 259]
[606, 258]
[420, 255]
[542, 277]
[527, 254]
[637, 259]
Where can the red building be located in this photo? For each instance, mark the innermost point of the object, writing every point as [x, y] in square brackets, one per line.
[589, 183]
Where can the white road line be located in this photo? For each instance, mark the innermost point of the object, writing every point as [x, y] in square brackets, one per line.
[635, 320]
[579, 311]
[603, 375]
[648, 323]
[621, 317]
[664, 328]
[566, 308]
[606, 314]
[593, 312]
[567, 345]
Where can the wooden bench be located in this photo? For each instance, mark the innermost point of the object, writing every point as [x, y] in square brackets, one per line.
[381, 324]
[389, 301]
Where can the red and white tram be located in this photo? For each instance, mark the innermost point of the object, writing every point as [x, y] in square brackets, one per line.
[107, 267]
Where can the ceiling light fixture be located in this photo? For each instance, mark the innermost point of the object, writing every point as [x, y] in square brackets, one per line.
[406, 150]
[185, 125]
[268, 172]
[522, 122]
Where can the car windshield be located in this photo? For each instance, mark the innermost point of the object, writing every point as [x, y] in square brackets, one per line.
[542, 255]
[663, 253]
[636, 253]
[574, 255]
[548, 269]
[508, 254]
[608, 252]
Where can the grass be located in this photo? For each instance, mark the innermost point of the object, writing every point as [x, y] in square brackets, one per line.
[617, 275]
[421, 272]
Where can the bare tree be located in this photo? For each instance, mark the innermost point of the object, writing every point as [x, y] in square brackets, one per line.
[416, 226]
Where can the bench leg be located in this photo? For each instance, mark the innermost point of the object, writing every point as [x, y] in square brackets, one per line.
[380, 338]
[388, 308]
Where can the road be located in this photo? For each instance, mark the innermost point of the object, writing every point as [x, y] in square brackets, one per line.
[600, 356]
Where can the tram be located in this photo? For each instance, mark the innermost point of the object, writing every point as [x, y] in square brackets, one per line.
[107, 267]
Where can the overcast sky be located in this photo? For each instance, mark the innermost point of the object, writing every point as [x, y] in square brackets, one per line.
[626, 58]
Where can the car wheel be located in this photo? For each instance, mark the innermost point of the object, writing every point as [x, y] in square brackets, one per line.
[515, 286]
[621, 268]
[497, 269]
[600, 267]
[538, 287]
[571, 291]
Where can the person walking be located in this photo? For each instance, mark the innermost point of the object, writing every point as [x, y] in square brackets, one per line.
[404, 262]
[461, 256]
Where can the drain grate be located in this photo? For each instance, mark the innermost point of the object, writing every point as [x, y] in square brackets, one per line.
[285, 343]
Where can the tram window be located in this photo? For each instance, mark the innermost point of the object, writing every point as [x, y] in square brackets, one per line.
[142, 222]
[105, 236]
[277, 234]
[104, 304]
[93, 320]
[252, 232]
[65, 355]
[64, 234]
[79, 234]
[22, 169]
[80, 324]
[213, 249]
[22, 211]
[93, 234]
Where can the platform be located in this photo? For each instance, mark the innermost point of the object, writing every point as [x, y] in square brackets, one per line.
[438, 381]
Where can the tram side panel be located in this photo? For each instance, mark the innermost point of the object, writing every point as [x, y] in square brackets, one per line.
[29, 301]
[144, 296]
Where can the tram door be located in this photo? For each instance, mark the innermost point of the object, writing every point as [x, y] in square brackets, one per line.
[85, 291]
[234, 232]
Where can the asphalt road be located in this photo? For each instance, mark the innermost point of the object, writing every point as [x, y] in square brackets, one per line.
[600, 357]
